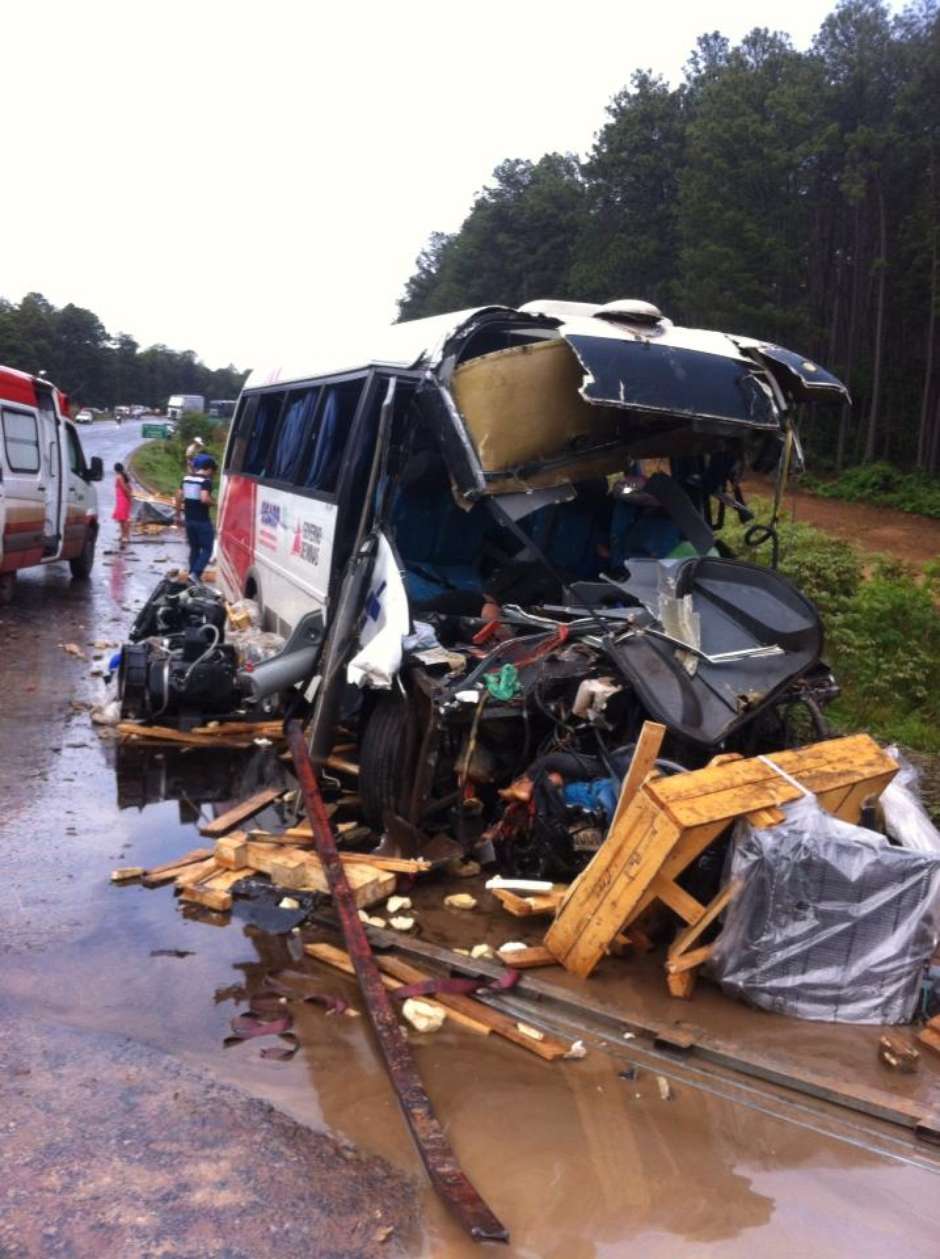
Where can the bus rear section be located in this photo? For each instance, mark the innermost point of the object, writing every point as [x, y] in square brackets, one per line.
[295, 469]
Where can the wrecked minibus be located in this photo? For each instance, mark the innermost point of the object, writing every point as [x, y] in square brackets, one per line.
[493, 542]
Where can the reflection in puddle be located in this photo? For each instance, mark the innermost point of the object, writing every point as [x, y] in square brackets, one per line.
[148, 773]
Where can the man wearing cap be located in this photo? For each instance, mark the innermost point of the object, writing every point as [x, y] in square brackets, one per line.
[194, 448]
[193, 501]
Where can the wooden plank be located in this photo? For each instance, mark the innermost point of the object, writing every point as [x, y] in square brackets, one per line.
[682, 983]
[166, 734]
[529, 906]
[257, 729]
[170, 869]
[231, 851]
[609, 889]
[548, 1047]
[337, 958]
[299, 870]
[929, 1035]
[398, 865]
[214, 893]
[290, 836]
[678, 900]
[527, 959]
[687, 961]
[691, 843]
[686, 938]
[196, 872]
[763, 819]
[729, 790]
[647, 749]
[238, 813]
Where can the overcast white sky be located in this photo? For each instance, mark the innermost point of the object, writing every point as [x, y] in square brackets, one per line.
[234, 178]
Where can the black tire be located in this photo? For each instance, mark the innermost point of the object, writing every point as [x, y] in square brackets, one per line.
[7, 588]
[383, 754]
[83, 563]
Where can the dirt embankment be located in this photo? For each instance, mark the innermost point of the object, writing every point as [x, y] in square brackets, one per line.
[877, 530]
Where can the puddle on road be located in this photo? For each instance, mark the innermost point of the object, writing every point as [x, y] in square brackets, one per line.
[578, 1161]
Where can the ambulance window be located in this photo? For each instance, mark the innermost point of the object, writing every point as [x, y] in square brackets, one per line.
[262, 434]
[76, 462]
[21, 441]
[301, 404]
[326, 440]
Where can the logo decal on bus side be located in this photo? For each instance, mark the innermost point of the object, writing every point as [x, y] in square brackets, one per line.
[311, 538]
[270, 520]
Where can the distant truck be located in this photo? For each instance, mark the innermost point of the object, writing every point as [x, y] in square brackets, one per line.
[222, 408]
[184, 404]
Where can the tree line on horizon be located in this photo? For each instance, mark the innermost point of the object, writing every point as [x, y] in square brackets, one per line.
[72, 347]
[778, 193]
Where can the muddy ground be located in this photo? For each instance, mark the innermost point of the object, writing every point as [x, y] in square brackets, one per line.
[129, 1130]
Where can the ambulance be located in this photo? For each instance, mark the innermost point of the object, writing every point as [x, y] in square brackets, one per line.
[48, 503]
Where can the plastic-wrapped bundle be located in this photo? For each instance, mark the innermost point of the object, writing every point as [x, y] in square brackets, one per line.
[831, 922]
[906, 820]
[254, 646]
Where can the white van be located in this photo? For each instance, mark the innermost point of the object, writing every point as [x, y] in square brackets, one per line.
[48, 504]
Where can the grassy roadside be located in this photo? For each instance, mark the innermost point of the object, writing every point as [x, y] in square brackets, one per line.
[881, 485]
[882, 629]
[159, 464]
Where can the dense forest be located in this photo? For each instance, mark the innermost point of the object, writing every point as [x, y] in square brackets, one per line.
[75, 351]
[793, 195]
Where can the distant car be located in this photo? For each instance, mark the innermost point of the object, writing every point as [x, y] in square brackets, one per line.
[85, 416]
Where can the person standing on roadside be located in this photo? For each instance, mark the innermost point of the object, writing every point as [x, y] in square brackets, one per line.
[193, 502]
[123, 502]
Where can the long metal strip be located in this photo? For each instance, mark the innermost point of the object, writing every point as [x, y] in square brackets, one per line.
[446, 1175]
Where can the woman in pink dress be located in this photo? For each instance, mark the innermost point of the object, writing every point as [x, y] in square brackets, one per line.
[123, 501]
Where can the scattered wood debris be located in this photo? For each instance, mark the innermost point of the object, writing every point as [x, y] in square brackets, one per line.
[126, 873]
[929, 1034]
[204, 736]
[898, 1054]
[239, 813]
[662, 824]
[465, 1010]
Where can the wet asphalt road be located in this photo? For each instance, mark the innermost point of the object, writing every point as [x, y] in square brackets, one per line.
[126, 1129]
[114, 1138]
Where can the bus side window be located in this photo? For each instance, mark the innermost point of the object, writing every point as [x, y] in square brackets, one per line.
[326, 442]
[301, 404]
[262, 433]
[241, 426]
